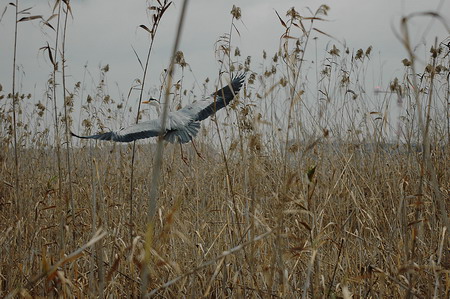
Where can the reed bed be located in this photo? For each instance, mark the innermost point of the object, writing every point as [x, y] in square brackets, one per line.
[298, 192]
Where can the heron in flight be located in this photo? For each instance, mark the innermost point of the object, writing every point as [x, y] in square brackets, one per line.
[181, 125]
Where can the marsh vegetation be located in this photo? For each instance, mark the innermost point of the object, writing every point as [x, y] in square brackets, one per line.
[300, 191]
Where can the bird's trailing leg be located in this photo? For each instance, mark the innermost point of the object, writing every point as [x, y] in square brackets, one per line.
[185, 160]
[198, 153]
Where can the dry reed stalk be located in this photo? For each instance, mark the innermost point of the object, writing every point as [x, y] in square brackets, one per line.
[93, 198]
[211, 262]
[353, 208]
[156, 173]
[17, 198]
[155, 24]
[57, 142]
[50, 271]
[67, 123]
[235, 12]
[17, 201]
[426, 165]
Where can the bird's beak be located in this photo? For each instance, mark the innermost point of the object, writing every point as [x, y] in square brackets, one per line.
[149, 101]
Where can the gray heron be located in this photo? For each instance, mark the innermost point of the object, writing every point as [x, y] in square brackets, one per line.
[181, 125]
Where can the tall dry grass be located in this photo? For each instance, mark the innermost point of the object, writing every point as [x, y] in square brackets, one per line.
[299, 191]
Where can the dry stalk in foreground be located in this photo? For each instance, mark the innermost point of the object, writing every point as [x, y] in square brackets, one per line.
[51, 272]
[210, 262]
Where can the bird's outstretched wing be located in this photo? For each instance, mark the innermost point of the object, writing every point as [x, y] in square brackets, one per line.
[137, 131]
[182, 125]
[202, 109]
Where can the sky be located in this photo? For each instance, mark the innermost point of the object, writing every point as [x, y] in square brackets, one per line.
[106, 31]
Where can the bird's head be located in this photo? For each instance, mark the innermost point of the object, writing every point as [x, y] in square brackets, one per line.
[153, 102]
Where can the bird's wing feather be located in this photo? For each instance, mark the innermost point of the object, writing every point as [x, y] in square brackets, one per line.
[142, 130]
[146, 129]
[182, 124]
[201, 110]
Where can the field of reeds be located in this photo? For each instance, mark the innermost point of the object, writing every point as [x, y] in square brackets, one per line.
[298, 191]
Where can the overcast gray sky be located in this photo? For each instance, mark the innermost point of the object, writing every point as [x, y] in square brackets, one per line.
[104, 32]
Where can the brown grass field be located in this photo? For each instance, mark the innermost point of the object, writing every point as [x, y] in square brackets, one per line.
[319, 204]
